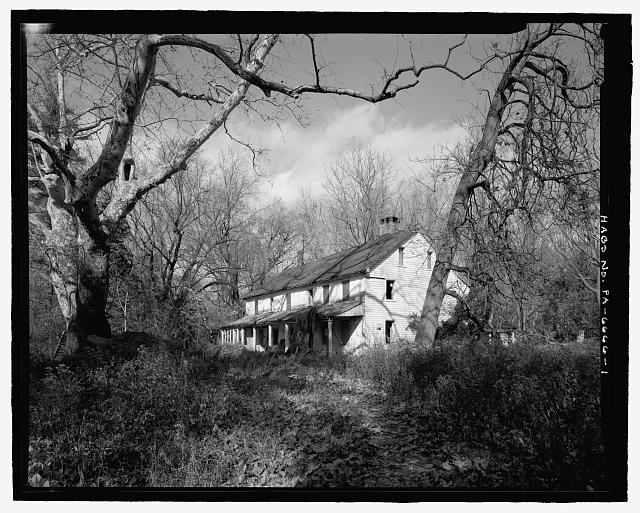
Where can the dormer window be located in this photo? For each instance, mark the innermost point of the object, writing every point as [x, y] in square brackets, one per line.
[401, 257]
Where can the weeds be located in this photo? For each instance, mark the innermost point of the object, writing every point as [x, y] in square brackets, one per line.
[459, 415]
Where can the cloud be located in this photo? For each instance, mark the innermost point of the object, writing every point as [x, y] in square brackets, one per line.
[298, 156]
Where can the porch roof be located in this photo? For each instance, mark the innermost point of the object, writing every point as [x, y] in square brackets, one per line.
[351, 308]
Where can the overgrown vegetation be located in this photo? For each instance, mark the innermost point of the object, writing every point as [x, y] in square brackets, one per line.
[477, 415]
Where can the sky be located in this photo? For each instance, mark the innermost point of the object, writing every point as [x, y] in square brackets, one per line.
[414, 125]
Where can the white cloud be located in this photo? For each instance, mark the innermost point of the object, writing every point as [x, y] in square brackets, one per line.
[298, 156]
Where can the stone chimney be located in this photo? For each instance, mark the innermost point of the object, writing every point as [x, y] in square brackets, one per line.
[389, 224]
[300, 257]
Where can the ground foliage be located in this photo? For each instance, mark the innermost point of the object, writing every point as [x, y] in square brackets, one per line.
[462, 415]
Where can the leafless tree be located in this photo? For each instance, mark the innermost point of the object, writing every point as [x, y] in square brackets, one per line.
[104, 89]
[537, 139]
[360, 188]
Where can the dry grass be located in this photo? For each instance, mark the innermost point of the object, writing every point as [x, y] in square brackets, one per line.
[455, 416]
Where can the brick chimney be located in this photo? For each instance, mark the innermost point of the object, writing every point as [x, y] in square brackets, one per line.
[389, 224]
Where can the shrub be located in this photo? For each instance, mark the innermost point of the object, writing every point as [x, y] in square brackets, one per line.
[538, 406]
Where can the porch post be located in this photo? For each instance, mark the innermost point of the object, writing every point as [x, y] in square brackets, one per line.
[255, 334]
[286, 337]
[270, 335]
[330, 328]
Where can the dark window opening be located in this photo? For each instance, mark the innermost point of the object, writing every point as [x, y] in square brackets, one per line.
[388, 325]
[401, 257]
[390, 289]
[345, 290]
[325, 294]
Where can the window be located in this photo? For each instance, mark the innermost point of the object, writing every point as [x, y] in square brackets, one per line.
[401, 257]
[325, 294]
[288, 301]
[429, 260]
[345, 290]
[271, 304]
[388, 327]
[390, 289]
[310, 291]
[255, 306]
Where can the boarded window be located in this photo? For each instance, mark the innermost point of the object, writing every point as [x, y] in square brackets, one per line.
[389, 294]
[346, 292]
[325, 294]
[288, 301]
[388, 328]
[401, 257]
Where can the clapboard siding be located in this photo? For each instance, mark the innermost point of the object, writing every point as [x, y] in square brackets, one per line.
[409, 290]
[301, 297]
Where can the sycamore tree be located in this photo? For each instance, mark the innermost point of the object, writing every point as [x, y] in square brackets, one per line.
[536, 147]
[92, 98]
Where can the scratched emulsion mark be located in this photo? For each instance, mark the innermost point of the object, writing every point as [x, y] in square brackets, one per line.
[37, 28]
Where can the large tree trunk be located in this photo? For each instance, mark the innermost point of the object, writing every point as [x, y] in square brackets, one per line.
[480, 159]
[80, 276]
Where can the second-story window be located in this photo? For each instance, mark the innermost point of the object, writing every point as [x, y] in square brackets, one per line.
[401, 257]
[325, 294]
[345, 290]
[389, 293]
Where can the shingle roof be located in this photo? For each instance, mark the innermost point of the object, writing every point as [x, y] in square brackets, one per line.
[340, 308]
[347, 263]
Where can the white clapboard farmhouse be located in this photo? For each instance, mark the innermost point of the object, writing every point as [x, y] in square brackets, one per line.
[363, 295]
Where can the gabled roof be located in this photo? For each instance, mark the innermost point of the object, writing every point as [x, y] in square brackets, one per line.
[347, 263]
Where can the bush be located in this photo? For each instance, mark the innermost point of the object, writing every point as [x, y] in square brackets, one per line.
[541, 408]
[222, 415]
[387, 367]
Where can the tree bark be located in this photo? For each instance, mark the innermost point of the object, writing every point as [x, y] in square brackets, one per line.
[80, 277]
[481, 158]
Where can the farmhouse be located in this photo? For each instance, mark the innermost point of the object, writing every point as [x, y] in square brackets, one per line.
[363, 295]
